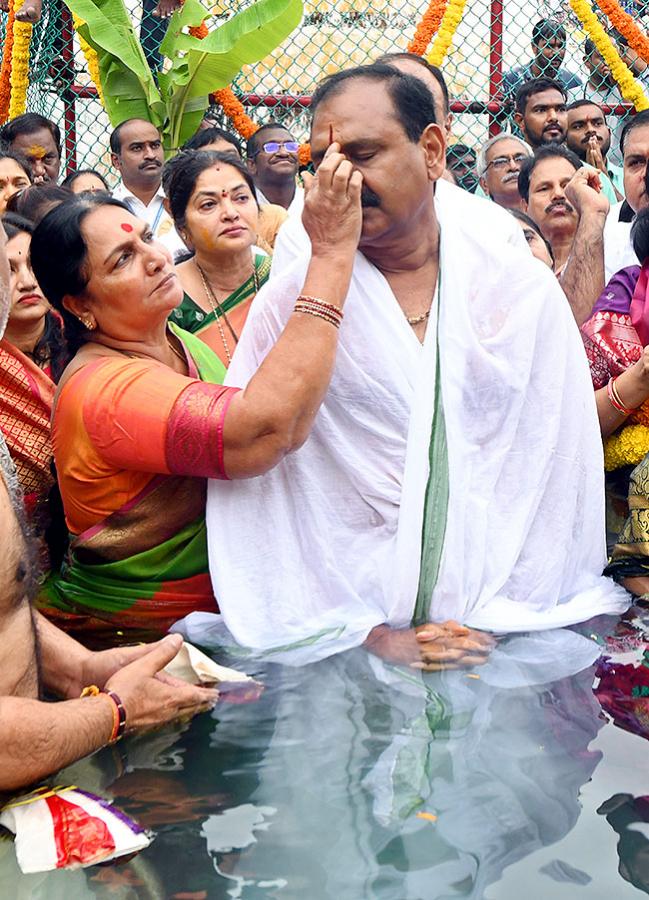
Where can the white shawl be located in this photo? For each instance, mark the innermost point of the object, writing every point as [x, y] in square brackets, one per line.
[328, 544]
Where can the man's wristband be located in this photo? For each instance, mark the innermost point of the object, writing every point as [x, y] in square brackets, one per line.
[119, 710]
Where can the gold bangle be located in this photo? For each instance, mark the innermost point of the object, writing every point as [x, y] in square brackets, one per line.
[321, 303]
[319, 315]
[309, 306]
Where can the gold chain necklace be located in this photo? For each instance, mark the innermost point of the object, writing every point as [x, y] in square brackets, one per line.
[218, 310]
[417, 320]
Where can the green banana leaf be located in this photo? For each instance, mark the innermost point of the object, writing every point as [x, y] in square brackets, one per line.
[199, 67]
[128, 85]
[176, 102]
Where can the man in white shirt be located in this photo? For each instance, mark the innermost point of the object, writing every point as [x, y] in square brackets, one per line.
[136, 152]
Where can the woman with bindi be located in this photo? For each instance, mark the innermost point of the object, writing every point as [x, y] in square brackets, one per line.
[141, 419]
[212, 200]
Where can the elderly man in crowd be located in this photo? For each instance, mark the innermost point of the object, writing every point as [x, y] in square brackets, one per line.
[459, 374]
[39, 140]
[634, 143]
[498, 164]
[565, 200]
[137, 154]
[41, 738]
[589, 137]
[273, 164]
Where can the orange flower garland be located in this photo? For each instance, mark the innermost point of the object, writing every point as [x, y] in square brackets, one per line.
[233, 109]
[427, 27]
[199, 31]
[627, 27]
[5, 69]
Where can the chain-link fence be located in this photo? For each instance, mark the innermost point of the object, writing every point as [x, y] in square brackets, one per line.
[492, 38]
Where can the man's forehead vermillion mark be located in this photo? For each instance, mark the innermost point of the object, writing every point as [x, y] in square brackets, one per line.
[126, 227]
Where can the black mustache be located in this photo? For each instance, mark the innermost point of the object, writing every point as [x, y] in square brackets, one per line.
[149, 162]
[369, 198]
[559, 205]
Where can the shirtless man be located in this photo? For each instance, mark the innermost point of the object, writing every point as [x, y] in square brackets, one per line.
[41, 738]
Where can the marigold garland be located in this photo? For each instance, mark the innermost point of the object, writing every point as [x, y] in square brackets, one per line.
[427, 27]
[91, 58]
[627, 27]
[630, 88]
[5, 69]
[199, 31]
[22, 35]
[641, 415]
[448, 26]
[626, 447]
[233, 109]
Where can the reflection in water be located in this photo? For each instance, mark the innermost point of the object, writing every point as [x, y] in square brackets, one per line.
[629, 817]
[317, 789]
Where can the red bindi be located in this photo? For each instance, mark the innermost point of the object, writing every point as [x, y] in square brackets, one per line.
[126, 227]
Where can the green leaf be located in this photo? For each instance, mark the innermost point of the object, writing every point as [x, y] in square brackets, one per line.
[199, 67]
[194, 68]
[127, 82]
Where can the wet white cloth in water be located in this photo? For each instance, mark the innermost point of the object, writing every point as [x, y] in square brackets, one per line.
[328, 544]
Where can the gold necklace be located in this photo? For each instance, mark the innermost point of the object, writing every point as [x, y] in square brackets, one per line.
[218, 310]
[417, 320]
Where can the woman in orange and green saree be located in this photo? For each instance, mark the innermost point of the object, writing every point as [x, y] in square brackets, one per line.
[225, 271]
[141, 419]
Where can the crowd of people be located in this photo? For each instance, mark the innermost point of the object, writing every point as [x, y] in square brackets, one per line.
[359, 404]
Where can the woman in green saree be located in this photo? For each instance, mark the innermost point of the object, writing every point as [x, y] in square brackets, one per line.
[141, 419]
[214, 207]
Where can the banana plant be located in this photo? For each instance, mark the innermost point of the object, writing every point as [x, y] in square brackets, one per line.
[176, 98]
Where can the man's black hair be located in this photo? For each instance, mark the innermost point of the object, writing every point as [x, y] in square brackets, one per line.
[413, 102]
[207, 136]
[548, 30]
[254, 143]
[536, 86]
[28, 123]
[547, 151]
[434, 71]
[115, 139]
[589, 48]
[584, 101]
[637, 121]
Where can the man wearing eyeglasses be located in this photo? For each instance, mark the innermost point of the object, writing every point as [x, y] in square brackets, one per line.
[498, 164]
[273, 164]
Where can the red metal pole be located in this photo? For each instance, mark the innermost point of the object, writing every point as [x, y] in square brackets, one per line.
[68, 95]
[495, 59]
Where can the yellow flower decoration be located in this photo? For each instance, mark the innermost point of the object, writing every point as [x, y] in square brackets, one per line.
[22, 34]
[448, 26]
[626, 447]
[91, 57]
[629, 87]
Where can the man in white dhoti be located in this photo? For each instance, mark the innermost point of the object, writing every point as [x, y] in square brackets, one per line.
[454, 470]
